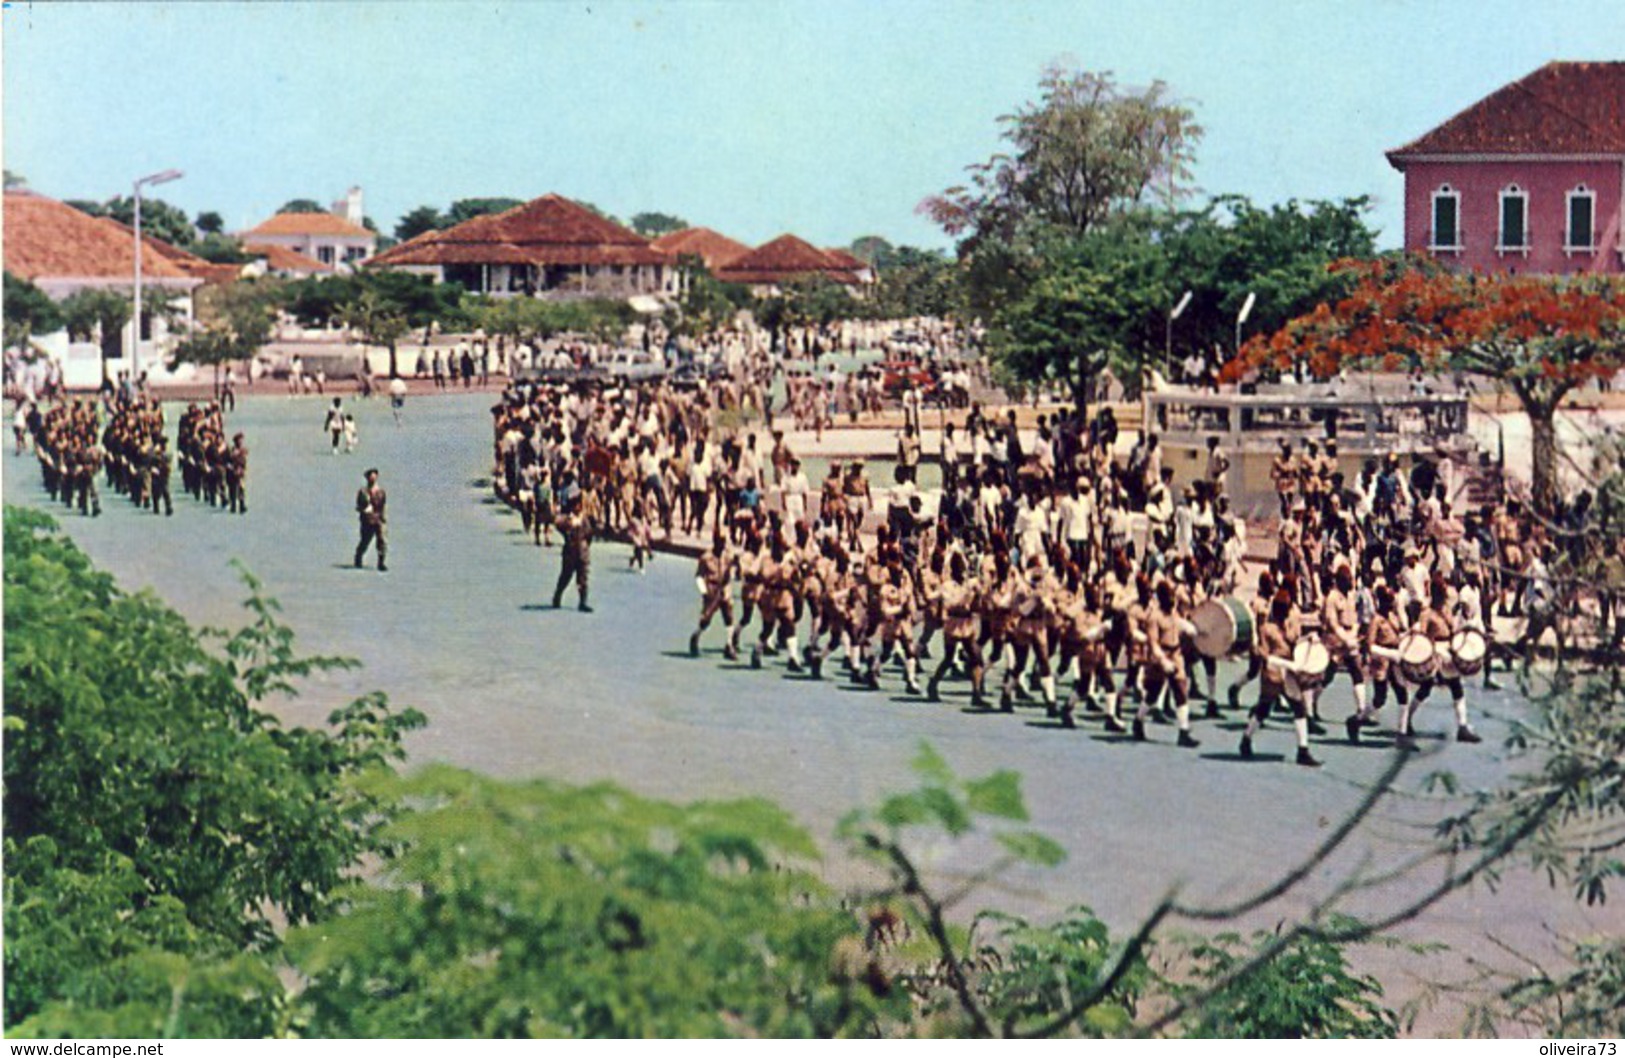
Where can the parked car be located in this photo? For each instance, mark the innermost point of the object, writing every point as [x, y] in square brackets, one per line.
[895, 374]
[690, 373]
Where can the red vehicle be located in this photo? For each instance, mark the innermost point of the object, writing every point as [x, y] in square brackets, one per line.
[895, 374]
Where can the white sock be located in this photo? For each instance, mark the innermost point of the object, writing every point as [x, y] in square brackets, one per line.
[911, 668]
[1461, 712]
[1182, 713]
[1302, 728]
[1359, 700]
[794, 647]
[1048, 683]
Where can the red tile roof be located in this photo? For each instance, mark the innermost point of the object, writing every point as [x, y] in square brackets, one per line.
[47, 239]
[785, 258]
[715, 249]
[282, 259]
[1561, 108]
[308, 224]
[551, 230]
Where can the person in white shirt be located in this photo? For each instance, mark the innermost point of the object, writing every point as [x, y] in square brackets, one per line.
[795, 488]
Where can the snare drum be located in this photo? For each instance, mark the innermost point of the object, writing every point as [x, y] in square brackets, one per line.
[1223, 627]
[1417, 661]
[1468, 649]
[1310, 660]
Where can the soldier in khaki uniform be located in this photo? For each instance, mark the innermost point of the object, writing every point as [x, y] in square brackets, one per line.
[578, 525]
[369, 507]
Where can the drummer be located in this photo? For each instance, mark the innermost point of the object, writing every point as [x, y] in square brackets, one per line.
[1275, 647]
[1260, 607]
[1382, 643]
[1434, 622]
[1083, 630]
[1340, 631]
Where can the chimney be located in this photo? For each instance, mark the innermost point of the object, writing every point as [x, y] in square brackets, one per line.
[350, 207]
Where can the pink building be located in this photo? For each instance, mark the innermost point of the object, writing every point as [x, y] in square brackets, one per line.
[1529, 179]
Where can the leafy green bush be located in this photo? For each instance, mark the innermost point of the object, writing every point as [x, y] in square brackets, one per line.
[1307, 991]
[150, 806]
[538, 909]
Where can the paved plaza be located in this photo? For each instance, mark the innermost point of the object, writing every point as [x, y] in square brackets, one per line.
[460, 628]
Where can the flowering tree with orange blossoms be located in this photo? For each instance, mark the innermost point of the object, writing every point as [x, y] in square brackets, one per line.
[1541, 337]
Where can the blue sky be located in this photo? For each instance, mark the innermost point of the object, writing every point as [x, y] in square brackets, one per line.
[830, 119]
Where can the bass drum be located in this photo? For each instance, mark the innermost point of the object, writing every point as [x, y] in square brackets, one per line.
[1311, 661]
[1417, 661]
[1223, 627]
[1468, 649]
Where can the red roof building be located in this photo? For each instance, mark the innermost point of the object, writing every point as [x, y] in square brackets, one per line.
[786, 258]
[714, 249]
[279, 260]
[63, 251]
[329, 239]
[548, 246]
[60, 250]
[1528, 179]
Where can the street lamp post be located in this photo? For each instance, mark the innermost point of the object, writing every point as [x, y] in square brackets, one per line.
[1241, 317]
[135, 322]
[1168, 337]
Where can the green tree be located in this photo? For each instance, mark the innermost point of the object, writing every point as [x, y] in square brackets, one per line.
[221, 249]
[469, 208]
[1087, 150]
[653, 225]
[1091, 307]
[378, 321]
[211, 223]
[707, 304]
[302, 205]
[874, 249]
[85, 205]
[99, 316]
[159, 219]
[418, 221]
[15, 181]
[28, 311]
[159, 823]
[318, 301]
[1231, 248]
[915, 282]
[236, 320]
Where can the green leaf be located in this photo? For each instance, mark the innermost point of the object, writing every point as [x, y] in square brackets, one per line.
[1032, 847]
[997, 795]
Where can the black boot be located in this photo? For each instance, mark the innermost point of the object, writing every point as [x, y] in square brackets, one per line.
[694, 645]
[1305, 759]
[1186, 741]
[1246, 750]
